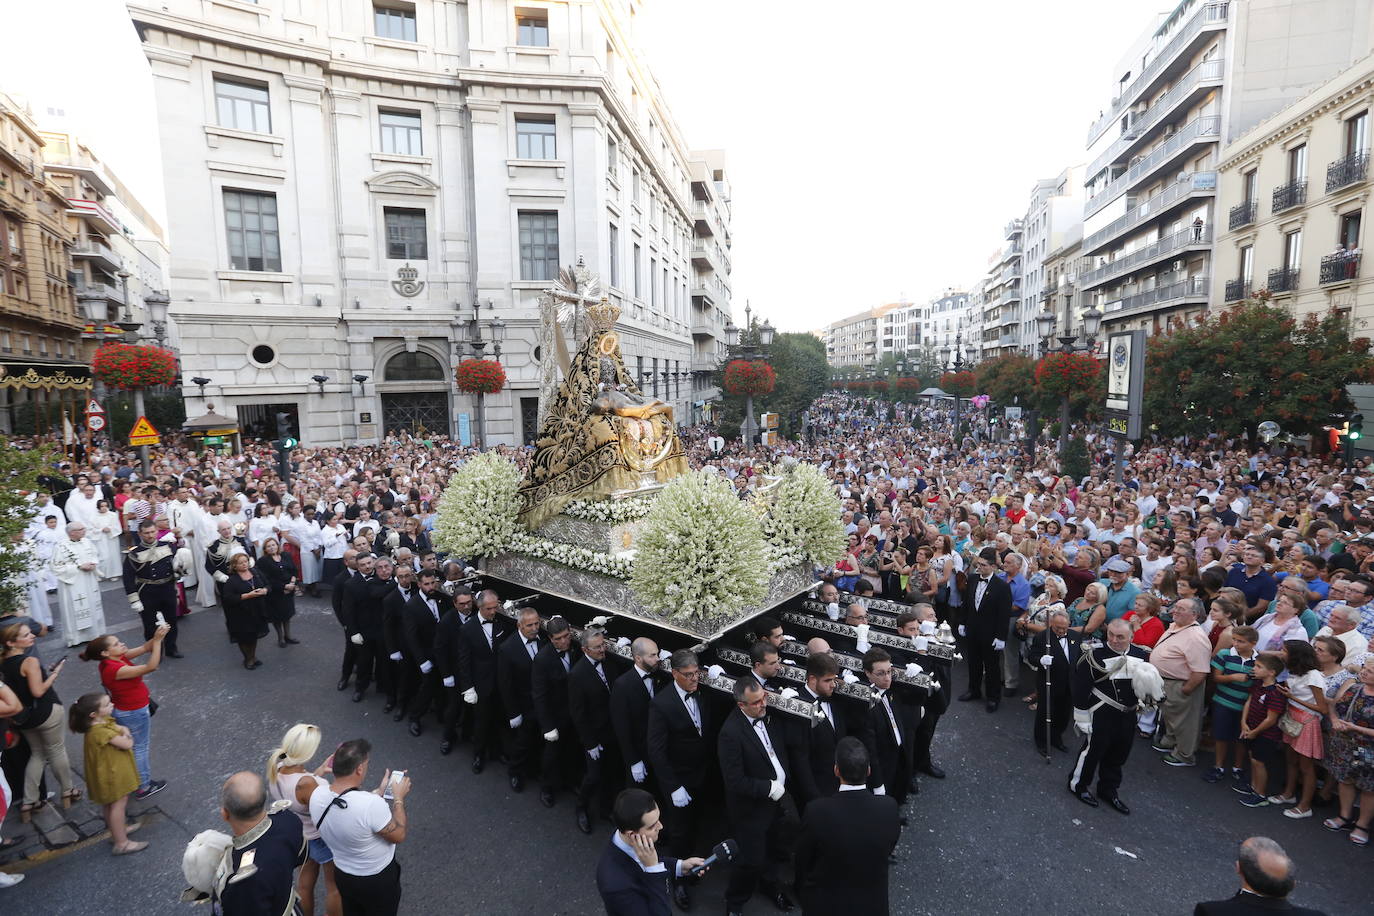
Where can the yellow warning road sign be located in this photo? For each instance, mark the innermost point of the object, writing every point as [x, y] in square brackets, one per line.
[144, 434]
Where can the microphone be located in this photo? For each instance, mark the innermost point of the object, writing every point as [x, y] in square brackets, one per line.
[724, 851]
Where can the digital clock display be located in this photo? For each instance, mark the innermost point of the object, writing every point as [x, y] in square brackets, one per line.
[1117, 425]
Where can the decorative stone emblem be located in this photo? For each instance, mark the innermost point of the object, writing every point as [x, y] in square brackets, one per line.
[406, 283]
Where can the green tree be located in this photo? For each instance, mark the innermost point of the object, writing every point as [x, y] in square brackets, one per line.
[1008, 379]
[1251, 363]
[803, 375]
[19, 470]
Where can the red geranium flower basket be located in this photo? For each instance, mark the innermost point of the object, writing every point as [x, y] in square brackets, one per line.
[744, 376]
[1065, 373]
[130, 366]
[480, 376]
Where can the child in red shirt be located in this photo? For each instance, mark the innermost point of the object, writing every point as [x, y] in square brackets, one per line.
[1260, 732]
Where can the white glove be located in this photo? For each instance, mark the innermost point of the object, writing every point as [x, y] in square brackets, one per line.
[599, 621]
[220, 577]
[638, 771]
[962, 631]
[912, 669]
[927, 628]
[396, 657]
[1083, 721]
[788, 693]
[448, 681]
[881, 790]
[714, 671]
[681, 798]
[517, 721]
[861, 632]
[788, 661]
[920, 643]
[999, 644]
[470, 696]
[775, 790]
[356, 639]
[623, 642]
[787, 638]
[425, 667]
[509, 604]
[551, 735]
[136, 603]
[1046, 661]
[849, 677]
[832, 610]
[595, 753]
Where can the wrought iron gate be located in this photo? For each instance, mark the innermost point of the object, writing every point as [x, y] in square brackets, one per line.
[416, 412]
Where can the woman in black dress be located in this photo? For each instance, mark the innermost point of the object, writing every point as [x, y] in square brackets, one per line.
[245, 600]
[280, 573]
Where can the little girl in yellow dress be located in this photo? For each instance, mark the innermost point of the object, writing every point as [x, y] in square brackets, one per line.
[111, 773]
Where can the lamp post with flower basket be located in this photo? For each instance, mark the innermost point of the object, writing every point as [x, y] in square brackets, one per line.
[748, 372]
[1069, 367]
[477, 375]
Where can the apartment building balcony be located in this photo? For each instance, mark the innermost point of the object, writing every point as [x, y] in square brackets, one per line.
[1196, 83]
[1236, 289]
[1283, 280]
[100, 291]
[1007, 339]
[1192, 289]
[91, 210]
[1287, 196]
[1010, 294]
[704, 364]
[705, 257]
[1208, 18]
[1190, 187]
[1205, 129]
[1013, 228]
[1243, 214]
[96, 250]
[1347, 171]
[1167, 247]
[1011, 272]
[1341, 267]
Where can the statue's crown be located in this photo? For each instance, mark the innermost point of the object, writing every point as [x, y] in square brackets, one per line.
[603, 315]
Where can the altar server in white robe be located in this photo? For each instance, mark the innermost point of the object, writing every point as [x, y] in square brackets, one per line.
[76, 564]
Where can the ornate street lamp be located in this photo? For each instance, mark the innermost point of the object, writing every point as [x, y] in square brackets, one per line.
[753, 349]
[1045, 324]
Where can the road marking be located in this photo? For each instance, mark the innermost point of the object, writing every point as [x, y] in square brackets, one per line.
[47, 855]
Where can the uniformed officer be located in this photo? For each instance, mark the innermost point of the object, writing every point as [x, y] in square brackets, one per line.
[258, 875]
[150, 582]
[221, 551]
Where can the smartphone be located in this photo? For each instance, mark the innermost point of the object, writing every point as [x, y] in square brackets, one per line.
[396, 777]
[161, 621]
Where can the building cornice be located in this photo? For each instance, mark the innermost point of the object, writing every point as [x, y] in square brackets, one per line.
[1296, 126]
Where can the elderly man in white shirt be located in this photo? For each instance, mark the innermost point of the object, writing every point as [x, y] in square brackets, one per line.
[1341, 624]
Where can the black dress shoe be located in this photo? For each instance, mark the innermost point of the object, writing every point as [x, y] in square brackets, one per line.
[415, 728]
[963, 697]
[257, 663]
[1119, 805]
[292, 642]
[993, 704]
[584, 823]
[398, 715]
[173, 653]
[546, 798]
[681, 897]
[445, 748]
[1086, 798]
[478, 762]
[357, 696]
[390, 705]
[933, 771]
[1059, 746]
[343, 684]
[517, 783]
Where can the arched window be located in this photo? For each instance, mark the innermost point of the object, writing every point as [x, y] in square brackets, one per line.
[414, 367]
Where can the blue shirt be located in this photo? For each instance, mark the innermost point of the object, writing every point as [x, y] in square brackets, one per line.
[1120, 601]
[1259, 587]
[1020, 591]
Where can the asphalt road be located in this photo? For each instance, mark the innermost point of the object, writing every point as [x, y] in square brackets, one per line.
[1000, 835]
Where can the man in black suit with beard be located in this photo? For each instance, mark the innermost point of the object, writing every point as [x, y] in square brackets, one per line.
[589, 705]
[446, 639]
[934, 704]
[514, 665]
[631, 694]
[1055, 651]
[479, 640]
[561, 756]
[404, 677]
[987, 615]
[846, 840]
[363, 621]
[336, 600]
[887, 733]
[424, 609]
[811, 743]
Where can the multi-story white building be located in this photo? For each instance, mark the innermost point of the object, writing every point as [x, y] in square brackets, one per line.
[710, 289]
[353, 187]
[1002, 293]
[1202, 74]
[1055, 213]
[858, 340]
[947, 319]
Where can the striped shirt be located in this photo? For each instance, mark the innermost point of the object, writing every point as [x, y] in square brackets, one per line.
[1232, 694]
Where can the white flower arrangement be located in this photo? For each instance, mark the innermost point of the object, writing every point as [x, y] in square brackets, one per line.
[477, 512]
[603, 564]
[701, 548]
[605, 510]
[803, 517]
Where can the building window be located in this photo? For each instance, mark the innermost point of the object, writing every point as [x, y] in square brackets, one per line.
[405, 234]
[1292, 249]
[1250, 181]
[538, 245]
[1350, 230]
[615, 255]
[243, 106]
[394, 22]
[42, 345]
[612, 156]
[250, 218]
[638, 269]
[1247, 266]
[634, 187]
[1357, 133]
[534, 138]
[401, 133]
[1297, 163]
[653, 285]
[532, 28]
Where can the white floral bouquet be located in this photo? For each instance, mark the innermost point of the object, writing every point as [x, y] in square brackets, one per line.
[803, 518]
[701, 549]
[573, 557]
[478, 508]
[606, 510]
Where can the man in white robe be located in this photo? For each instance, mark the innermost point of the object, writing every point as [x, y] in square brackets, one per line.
[81, 505]
[207, 527]
[76, 564]
[183, 516]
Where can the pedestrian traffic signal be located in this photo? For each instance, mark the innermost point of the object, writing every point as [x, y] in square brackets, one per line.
[287, 443]
[1355, 428]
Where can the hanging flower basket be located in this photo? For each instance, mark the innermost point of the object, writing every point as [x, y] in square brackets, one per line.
[480, 376]
[130, 366]
[1063, 374]
[744, 376]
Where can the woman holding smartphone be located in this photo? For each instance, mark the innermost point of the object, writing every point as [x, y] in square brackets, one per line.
[123, 681]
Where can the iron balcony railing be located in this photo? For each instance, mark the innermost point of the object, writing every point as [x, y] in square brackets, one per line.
[1243, 214]
[1201, 128]
[1166, 246]
[1347, 170]
[1235, 290]
[1208, 71]
[1287, 196]
[1191, 288]
[1283, 280]
[1149, 209]
[1340, 267]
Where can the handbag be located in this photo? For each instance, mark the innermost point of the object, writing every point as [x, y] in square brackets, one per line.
[1289, 725]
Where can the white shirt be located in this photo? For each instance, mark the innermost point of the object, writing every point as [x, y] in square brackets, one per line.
[351, 832]
[692, 706]
[760, 728]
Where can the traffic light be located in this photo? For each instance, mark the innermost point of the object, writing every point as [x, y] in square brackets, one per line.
[286, 440]
[1355, 428]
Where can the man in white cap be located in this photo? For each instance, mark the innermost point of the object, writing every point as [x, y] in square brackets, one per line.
[1121, 591]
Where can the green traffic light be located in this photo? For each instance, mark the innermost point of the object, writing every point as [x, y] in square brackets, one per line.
[1355, 434]
[288, 443]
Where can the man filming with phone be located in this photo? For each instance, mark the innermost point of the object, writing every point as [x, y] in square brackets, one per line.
[362, 831]
[630, 877]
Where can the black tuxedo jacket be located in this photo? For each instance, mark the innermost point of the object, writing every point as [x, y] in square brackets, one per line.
[678, 754]
[745, 769]
[549, 689]
[357, 612]
[336, 593]
[1244, 904]
[630, 716]
[841, 853]
[883, 750]
[477, 660]
[420, 627]
[589, 701]
[371, 613]
[1061, 671]
[393, 617]
[513, 669]
[811, 746]
[989, 620]
[627, 889]
[446, 636]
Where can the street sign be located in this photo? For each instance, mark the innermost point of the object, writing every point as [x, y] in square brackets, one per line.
[143, 433]
[212, 440]
[95, 422]
[93, 406]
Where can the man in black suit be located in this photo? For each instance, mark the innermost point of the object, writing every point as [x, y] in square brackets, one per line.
[479, 640]
[631, 694]
[561, 757]
[987, 614]
[1266, 880]
[404, 678]
[336, 596]
[363, 621]
[446, 640]
[845, 841]
[420, 622]
[589, 705]
[936, 702]
[887, 733]
[754, 768]
[1054, 653]
[765, 660]
[630, 877]
[681, 745]
[514, 664]
[811, 743]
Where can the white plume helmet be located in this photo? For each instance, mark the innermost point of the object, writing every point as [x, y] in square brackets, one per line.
[202, 858]
[183, 561]
[1145, 680]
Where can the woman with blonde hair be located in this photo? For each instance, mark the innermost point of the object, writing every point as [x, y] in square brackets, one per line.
[288, 779]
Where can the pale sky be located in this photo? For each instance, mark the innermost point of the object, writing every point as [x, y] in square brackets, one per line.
[875, 148]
